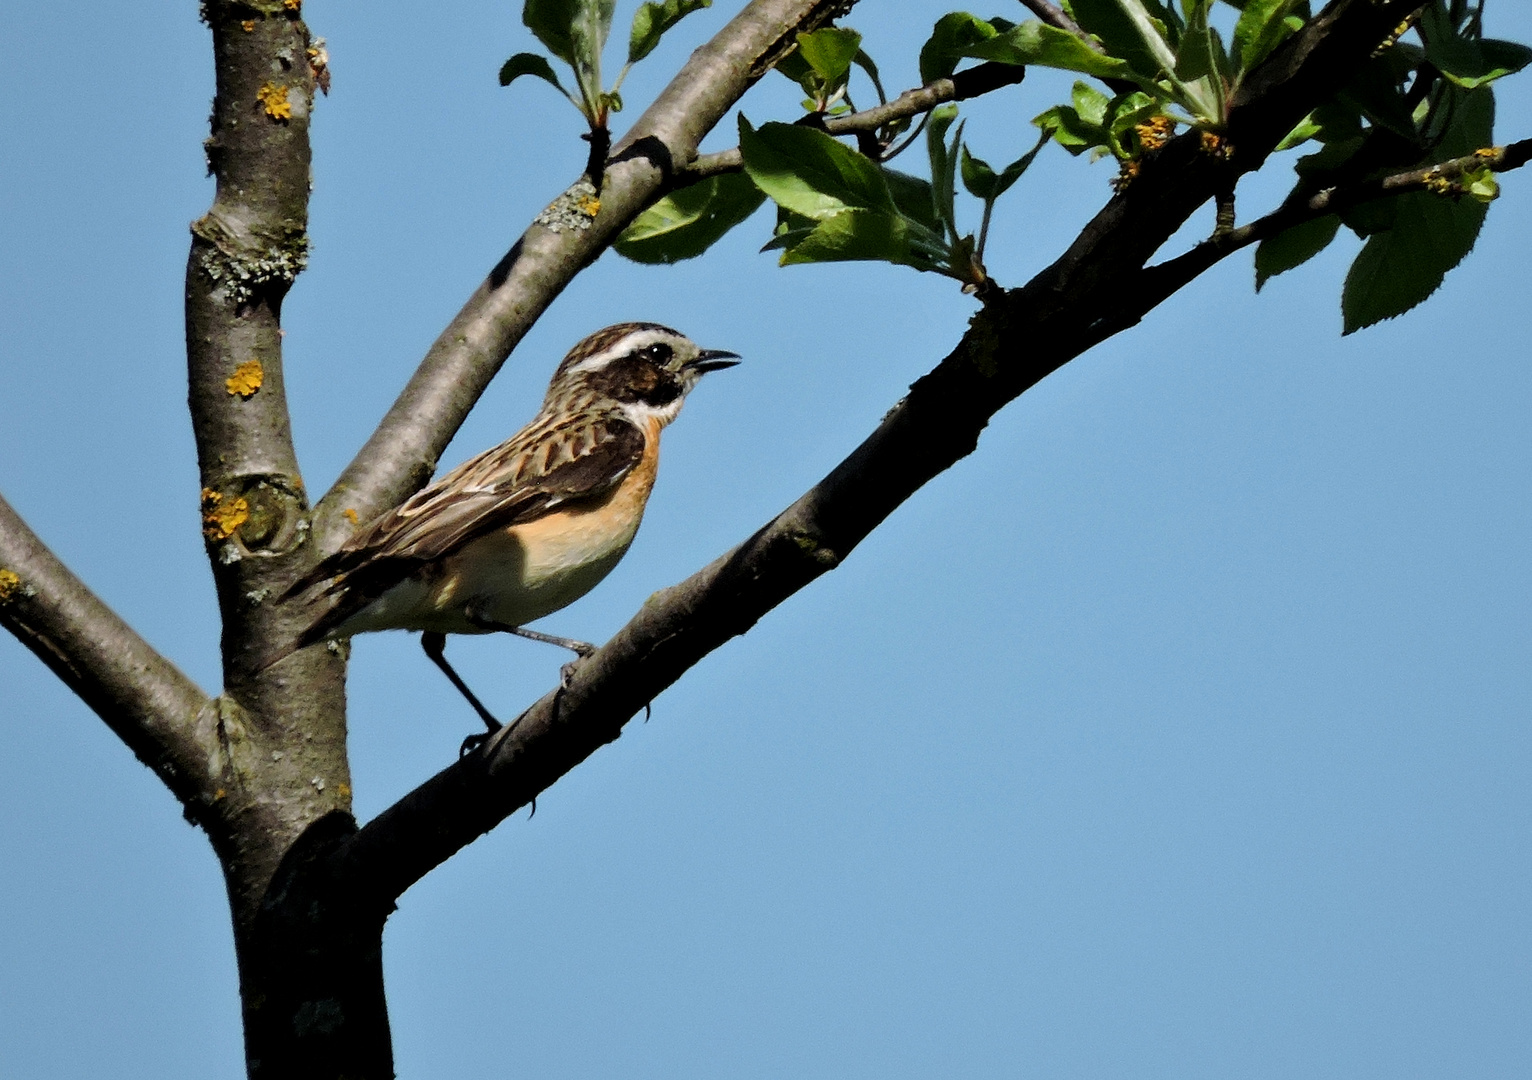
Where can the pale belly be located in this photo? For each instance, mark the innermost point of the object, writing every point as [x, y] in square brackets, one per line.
[511, 577]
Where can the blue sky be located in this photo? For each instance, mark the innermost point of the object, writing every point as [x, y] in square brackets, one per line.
[1182, 731]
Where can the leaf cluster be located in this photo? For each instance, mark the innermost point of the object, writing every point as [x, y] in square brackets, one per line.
[1416, 103]
[575, 32]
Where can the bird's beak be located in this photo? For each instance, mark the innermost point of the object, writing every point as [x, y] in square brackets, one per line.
[713, 360]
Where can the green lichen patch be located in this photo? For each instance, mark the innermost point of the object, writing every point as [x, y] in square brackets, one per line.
[572, 211]
[243, 263]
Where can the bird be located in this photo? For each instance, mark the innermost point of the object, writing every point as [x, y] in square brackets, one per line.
[527, 527]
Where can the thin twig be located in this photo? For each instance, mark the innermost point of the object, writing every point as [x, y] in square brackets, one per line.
[1168, 277]
[922, 99]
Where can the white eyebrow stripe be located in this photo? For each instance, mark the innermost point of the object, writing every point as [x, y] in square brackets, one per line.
[622, 347]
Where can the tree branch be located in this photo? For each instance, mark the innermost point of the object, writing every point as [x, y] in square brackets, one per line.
[245, 253]
[959, 87]
[143, 697]
[1019, 338]
[1162, 281]
[402, 453]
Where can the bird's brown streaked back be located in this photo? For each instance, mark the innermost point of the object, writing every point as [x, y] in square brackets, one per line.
[545, 467]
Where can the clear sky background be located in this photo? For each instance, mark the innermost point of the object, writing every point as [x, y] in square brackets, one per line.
[1182, 731]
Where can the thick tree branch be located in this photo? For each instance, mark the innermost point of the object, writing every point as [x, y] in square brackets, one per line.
[1167, 278]
[142, 696]
[245, 253]
[961, 86]
[281, 736]
[1019, 338]
[402, 452]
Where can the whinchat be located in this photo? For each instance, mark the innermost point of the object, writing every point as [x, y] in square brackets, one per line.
[533, 524]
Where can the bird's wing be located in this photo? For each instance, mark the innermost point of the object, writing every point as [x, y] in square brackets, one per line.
[542, 468]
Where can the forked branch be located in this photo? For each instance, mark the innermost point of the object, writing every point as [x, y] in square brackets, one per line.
[577, 227]
[1019, 338]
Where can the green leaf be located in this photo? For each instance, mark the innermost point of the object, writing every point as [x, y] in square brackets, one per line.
[855, 235]
[686, 223]
[810, 173]
[984, 183]
[943, 163]
[529, 64]
[1261, 28]
[1482, 185]
[829, 53]
[1090, 103]
[952, 38]
[1121, 25]
[1293, 247]
[1194, 58]
[1468, 61]
[587, 36]
[652, 20]
[550, 22]
[915, 198]
[863, 61]
[1038, 43]
[978, 177]
[1399, 268]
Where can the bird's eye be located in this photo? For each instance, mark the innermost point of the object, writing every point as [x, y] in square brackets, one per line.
[658, 353]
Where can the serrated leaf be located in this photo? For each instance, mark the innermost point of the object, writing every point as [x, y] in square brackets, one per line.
[529, 64]
[1399, 268]
[1261, 28]
[829, 52]
[685, 223]
[1293, 247]
[809, 172]
[652, 20]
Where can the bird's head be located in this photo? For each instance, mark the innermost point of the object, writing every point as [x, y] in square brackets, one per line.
[644, 368]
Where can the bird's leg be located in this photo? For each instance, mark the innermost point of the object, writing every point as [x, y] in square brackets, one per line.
[582, 649]
[434, 643]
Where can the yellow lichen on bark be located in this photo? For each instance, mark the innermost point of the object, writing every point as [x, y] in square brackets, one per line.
[219, 517]
[350, 516]
[292, 5]
[10, 581]
[248, 26]
[246, 379]
[589, 205]
[273, 98]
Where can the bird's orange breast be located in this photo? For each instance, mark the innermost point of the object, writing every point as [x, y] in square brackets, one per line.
[529, 570]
